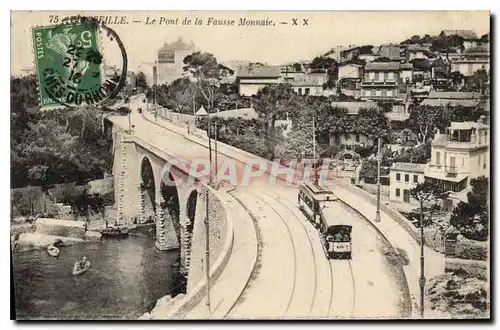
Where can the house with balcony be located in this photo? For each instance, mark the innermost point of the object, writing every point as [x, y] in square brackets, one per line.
[457, 156]
[471, 60]
[403, 178]
[381, 81]
[253, 78]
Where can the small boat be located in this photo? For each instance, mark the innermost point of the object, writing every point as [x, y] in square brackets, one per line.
[53, 251]
[115, 232]
[77, 269]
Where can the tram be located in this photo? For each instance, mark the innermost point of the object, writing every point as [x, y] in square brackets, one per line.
[324, 210]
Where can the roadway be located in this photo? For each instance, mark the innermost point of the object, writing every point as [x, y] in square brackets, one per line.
[294, 279]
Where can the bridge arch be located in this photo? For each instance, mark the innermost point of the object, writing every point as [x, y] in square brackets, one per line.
[148, 191]
[170, 203]
[190, 222]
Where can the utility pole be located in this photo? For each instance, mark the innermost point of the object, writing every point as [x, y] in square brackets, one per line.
[207, 215]
[314, 151]
[377, 215]
[421, 280]
[216, 137]
[156, 89]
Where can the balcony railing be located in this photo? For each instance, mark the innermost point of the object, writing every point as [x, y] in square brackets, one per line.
[371, 82]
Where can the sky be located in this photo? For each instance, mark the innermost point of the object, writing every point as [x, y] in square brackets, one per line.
[272, 44]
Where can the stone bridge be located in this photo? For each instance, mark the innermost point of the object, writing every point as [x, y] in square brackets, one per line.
[146, 193]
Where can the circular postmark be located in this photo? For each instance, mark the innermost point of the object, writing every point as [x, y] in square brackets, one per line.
[70, 64]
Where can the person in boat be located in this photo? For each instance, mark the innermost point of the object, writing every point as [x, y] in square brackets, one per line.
[81, 263]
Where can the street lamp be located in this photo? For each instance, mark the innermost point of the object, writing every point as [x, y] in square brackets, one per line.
[377, 215]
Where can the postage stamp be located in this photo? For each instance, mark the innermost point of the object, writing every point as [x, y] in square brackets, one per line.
[250, 165]
[69, 65]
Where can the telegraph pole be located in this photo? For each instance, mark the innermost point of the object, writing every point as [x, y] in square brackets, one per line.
[207, 225]
[377, 215]
[421, 280]
[314, 151]
[216, 137]
[156, 89]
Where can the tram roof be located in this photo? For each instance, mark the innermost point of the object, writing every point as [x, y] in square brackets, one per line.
[336, 214]
[318, 192]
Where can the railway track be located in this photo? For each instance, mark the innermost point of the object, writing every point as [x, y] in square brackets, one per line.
[332, 264]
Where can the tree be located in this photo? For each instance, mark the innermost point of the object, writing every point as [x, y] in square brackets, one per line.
[447, 44]
[457, 78]
[426, 119]
[331, 121]
[297, 67]
[179, 94]
[461, 113]
[419, 155]
[208, 73]
[328, 64]
[298, 144]
[421, 64]
[140, 80]
[272, 101]
[485, 38]
[472, 218]
[478, 81]
[427, 195]
[373, 123]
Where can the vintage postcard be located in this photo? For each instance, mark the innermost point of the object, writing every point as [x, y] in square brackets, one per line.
[250, 165]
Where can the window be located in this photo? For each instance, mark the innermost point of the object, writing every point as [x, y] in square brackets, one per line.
[398, 176]
[307, 90]
[386, 75]
[407, 178]
[384, 93]
[357, 137]
[438, 158]
[398, 193]
[372, 93]
[415, 178]
[377, 76]
[300, 91]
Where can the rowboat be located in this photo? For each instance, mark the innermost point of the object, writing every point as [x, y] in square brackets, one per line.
[114, 232]
[53, 251]
[77, 269]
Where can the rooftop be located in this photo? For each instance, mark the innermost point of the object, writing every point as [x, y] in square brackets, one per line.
[408, 167]
[406, 66]
[382, 66]
[259, 72]
[390, 51]
[179, 44]
[454, 95]
[417, 48]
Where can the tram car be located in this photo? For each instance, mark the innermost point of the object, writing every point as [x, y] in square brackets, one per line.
[326, 212]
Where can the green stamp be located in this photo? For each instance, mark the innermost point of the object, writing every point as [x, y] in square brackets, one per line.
[69, 66]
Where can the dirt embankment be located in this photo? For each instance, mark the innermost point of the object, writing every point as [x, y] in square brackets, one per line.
[458, 295]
